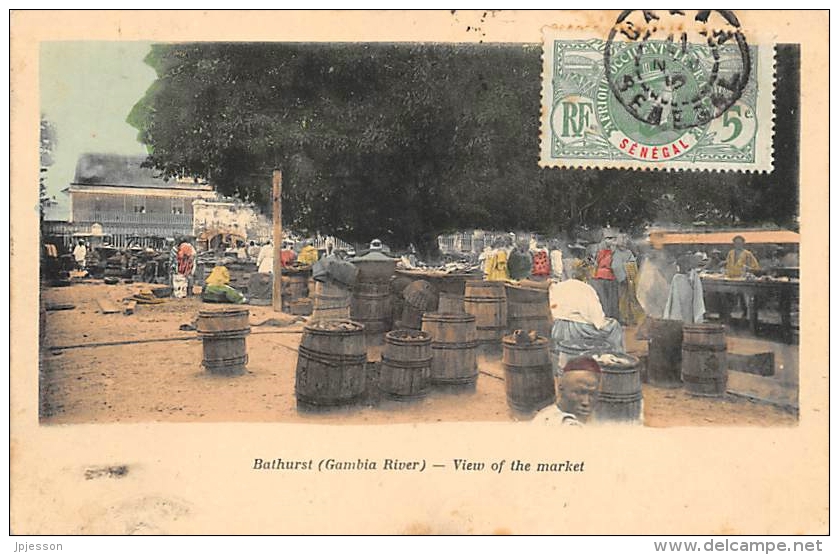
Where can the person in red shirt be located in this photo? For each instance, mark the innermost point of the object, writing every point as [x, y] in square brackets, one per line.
[287, 255]
[604, 281]
[541, 263]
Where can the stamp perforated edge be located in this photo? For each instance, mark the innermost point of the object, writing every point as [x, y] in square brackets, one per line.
[764, 149]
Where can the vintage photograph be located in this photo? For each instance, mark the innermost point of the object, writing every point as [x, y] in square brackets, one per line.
[526, 223]
[427, 268]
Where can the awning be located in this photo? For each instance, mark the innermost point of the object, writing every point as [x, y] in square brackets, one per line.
[659, 239]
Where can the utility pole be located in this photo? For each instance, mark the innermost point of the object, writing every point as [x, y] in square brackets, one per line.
[277, 290]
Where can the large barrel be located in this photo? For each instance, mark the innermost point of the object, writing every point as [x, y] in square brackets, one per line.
[224, 320]
[397, 301]
[419, 298]
[528, 376]
[450, 302]
[406, 364]
[370, 306]
[704, 368]
[331, 302]
[223, 331]
[528, 308]
[453, 347]
[620, 387]
[487, 302]
[374, 267]
[331, 363]
[295, 286]
[225, 354]
[664, 363]
[260, 288]
[568, 350]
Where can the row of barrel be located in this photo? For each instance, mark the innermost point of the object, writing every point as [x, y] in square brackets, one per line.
[332, 362]
[498, 308]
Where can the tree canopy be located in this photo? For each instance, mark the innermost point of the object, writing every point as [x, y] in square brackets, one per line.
[405, 141]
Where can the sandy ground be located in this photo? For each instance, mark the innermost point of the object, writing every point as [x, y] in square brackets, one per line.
[164, 380]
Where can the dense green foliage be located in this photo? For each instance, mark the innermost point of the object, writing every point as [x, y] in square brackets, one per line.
[403, 142]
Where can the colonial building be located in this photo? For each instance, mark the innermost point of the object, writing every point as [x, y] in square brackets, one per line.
[115, 196]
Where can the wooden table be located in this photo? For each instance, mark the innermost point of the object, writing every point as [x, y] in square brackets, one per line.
[756, 292]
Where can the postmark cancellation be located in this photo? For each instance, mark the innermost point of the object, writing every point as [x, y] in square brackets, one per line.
[664, 90]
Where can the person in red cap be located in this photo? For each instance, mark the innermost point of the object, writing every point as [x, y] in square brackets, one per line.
[579, 389]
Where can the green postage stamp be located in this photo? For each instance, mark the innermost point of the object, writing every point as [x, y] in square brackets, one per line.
[671, 91]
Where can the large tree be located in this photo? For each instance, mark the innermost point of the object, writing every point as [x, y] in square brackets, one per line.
[400, 141]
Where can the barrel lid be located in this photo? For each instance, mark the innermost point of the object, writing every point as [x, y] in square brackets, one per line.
[337, 326]
[408, 335]
[614, 359]
[223, 311]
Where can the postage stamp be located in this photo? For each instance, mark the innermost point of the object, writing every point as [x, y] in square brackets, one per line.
[658, 91]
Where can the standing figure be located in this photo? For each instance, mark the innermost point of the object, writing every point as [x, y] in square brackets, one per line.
[80, 255]
[739, 261]
[604, 281]
[625, 268]
[541, 262]
[557, 266]
[265, 259]
[520, 263]
[495, 267]
[686, 301]
[186, 264]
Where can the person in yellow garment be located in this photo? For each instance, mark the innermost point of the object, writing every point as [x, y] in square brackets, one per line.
[495, 268]
[217, 285]
[740, 261]
[308, 254]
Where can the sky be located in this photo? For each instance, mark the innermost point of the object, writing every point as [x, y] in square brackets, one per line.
[87, 90]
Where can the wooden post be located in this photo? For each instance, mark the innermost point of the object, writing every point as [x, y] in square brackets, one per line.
[277, 290]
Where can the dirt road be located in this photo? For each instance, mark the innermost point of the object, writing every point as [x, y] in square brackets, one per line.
[164, 380]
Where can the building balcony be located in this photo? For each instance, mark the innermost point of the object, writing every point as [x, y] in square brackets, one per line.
[134, 218]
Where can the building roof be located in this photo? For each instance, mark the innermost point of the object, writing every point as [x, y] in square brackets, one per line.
[125, 171]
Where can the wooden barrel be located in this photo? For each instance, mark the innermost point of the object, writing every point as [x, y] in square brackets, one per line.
[487, 302]
[664, 363]
[528, 376]
[225, 354]
[300, 307]
[620, 387]
[704, 368]
[568, 350]
[331, 363]
[331, 302]
[528, 308]
[420, 298]
[223, 331]
[295, 286]
[370, 306]
[406, 364]
[450, 302]
[260, 288]
[453, 347]
[223, 320]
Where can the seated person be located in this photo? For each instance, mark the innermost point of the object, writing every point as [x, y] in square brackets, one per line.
[578, 315]
[579, 390]
[217, 285]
